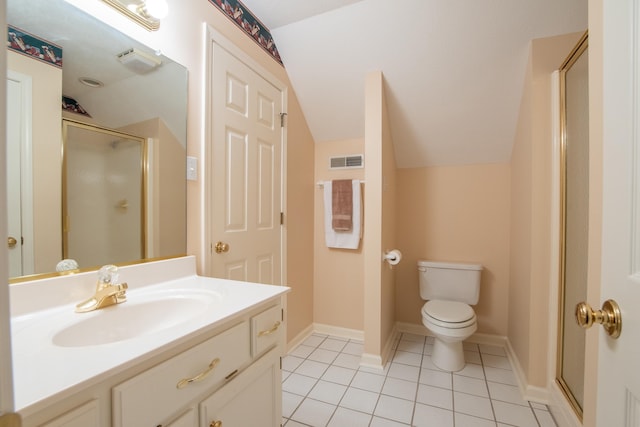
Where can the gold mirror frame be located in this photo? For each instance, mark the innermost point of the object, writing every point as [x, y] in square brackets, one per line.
[575, 54]
[79, 20]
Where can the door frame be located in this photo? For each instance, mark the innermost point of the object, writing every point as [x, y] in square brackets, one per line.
[26, 169]
[6, 373]
[213, 36]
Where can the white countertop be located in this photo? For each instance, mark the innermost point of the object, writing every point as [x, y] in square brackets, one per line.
[45, 371]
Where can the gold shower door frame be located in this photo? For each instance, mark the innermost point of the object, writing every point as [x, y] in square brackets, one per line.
[143, 168]
[574, 56]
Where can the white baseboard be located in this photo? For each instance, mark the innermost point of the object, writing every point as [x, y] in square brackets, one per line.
[529, 392]
[378, 362]
[352, 334]
[561, 409]
[372, 361]
[318, 328]
[298, 339]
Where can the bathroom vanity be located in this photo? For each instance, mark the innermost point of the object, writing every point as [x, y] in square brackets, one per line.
[183, 350]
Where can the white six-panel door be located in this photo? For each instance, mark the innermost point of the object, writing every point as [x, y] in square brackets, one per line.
[19, 173]
[246, 159]
[618, 390]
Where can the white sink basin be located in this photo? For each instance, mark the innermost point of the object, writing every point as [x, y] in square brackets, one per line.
[143, 313]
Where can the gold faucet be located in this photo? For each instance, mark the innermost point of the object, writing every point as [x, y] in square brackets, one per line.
[108, 292]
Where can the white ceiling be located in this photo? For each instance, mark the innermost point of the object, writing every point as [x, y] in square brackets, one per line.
[454, 69]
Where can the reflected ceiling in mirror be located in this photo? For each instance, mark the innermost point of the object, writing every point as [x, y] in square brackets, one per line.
[135, 89]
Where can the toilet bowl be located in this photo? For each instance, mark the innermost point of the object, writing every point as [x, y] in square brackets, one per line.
[449, 289]
[450, 322]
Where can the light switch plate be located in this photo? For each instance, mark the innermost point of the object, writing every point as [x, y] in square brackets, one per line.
[192, 168]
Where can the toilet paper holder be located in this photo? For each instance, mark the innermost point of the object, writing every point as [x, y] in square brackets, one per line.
[392, 257]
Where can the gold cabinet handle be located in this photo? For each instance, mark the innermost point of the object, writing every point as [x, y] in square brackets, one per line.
[269, 331]
[221, 247]
[216, 424]
[10, 419]
[11, 242]
[609, 317]
[202, 375]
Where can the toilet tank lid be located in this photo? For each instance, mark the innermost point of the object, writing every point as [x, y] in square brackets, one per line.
[450, 265]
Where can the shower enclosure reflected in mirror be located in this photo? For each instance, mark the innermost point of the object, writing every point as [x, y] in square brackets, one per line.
[574, 123]
[150, 102]
[103, 195]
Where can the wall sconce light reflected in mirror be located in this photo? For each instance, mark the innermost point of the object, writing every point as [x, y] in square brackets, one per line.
[147, 13]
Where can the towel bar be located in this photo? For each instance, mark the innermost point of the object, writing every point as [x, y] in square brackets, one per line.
[321, 183]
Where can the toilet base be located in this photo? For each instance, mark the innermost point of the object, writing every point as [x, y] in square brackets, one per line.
[448, 356]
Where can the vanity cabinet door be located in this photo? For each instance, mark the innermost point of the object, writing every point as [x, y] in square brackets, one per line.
[152, 397]
[253, 398]
[266, 330]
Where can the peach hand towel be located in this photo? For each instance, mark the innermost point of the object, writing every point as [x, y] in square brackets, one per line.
[341, 205]
[343, 239]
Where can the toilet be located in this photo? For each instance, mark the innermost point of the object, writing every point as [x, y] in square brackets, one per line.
[450, 290]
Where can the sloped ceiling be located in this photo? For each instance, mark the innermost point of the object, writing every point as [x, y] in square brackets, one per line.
[454, 69]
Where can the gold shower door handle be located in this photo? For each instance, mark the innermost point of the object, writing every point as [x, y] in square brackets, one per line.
[221, 247]
[609, 317]
[12, 242]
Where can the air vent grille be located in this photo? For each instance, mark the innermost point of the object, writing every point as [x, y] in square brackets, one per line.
[347, 162]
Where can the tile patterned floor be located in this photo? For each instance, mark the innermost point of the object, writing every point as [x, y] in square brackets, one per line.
[323, 385]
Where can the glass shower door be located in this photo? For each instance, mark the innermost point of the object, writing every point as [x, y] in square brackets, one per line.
[103, 195]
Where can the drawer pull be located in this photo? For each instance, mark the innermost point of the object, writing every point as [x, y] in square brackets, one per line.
[269, 331]
[216, 424]
[202, 375]
[231, 375]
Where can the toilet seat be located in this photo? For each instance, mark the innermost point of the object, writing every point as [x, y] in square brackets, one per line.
[448, 314]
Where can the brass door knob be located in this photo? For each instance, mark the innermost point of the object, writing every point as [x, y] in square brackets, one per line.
[11, 242]
[221, 247]
[216, 424]
[609, 317]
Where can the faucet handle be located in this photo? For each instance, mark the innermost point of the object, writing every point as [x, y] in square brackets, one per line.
[108, 275]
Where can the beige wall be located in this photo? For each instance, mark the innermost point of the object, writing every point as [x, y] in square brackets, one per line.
[458, 214]
[167, 214]
[379, 229]
[389, 225]
[531, 215]
[299, 220]
[46, 122]
[181, 38]
[338, 280]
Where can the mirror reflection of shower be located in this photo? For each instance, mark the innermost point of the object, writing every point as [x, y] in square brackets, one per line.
[103, 212]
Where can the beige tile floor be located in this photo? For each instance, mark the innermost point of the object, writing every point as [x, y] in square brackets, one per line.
[324, 385]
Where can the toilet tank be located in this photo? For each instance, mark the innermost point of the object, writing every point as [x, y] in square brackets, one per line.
[450, 281]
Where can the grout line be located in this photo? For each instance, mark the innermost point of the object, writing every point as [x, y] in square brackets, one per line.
[385, 374]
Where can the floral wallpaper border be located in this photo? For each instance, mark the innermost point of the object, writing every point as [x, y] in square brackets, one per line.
[71, 105]
[27, 44]
[242, 16]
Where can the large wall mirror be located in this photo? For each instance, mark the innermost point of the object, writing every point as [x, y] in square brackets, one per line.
[111, 86]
